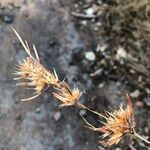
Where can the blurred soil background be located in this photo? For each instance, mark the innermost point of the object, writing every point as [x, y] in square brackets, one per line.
[102, 47]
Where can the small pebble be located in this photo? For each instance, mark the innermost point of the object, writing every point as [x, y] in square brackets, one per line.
[103, 48]
[57, 115]
[99, 24]
[93, 20]
[147, 102]
[90, 56]
[82, 112]
[101, 85]
[103, 61]
[90, 12]
[98, 48]
[121, 53]
[146, 129]
[140, 78]
[118, 148]
[76, 5]
[8, 19]
[95, 28]
[84, 22]
[135, 94]
[38, 110]
[147, 90]
[119, 84]
[132, 71]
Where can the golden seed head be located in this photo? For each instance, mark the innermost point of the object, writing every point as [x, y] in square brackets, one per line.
[118, 123]
[67, 96]
[36, 77]
[32, 73]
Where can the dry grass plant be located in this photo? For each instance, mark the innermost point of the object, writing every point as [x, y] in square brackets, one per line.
[35, 76]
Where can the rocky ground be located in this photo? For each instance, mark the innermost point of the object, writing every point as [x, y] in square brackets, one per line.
[78, 51]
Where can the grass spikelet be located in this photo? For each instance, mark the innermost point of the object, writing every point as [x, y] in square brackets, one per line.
[118, 123]
[32, 74]
[67, 96]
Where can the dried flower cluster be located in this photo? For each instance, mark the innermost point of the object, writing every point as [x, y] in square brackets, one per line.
[118, 123]
[67, 96]
[34, 76]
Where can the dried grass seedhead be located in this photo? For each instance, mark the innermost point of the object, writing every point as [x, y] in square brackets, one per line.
[32, 74]
[118, 123]
[36, 77]
[67, 96]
